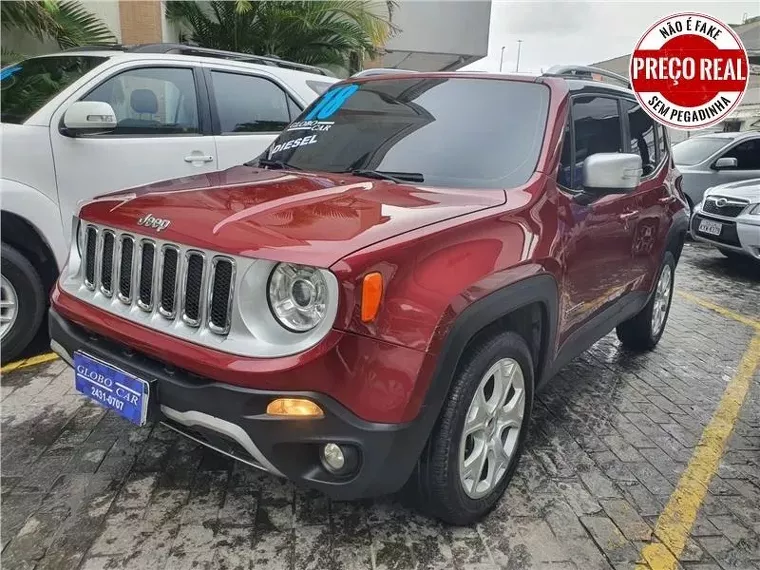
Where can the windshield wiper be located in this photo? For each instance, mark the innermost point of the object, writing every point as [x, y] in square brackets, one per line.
[397, 177]
[270, 163]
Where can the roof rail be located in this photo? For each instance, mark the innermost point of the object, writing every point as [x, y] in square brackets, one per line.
[381, 71]
[104, 47]
[585, 72]
[183, 49]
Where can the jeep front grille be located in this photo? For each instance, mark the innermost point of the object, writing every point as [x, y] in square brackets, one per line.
[166, 279]
[168, 272]
[106, 267]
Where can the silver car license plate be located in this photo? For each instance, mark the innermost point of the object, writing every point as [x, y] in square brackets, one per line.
[710, 227]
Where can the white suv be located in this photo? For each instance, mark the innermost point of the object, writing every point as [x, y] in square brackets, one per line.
[81, 123]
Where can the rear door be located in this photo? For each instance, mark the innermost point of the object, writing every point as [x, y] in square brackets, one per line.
[248, 111]
[163, 132]
[653, 197]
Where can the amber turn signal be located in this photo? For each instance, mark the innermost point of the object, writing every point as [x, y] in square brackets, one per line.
[372, 292]
[294, 407]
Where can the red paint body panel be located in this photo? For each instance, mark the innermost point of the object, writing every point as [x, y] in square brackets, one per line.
[374, 379]
[313, 219]
[439, 251]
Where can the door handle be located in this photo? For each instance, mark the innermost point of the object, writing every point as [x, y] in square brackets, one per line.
[199, 158]
[628, 216]
[667, 200]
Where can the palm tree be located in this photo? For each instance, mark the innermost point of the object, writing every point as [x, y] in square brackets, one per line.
[339, 33]
[66, 22]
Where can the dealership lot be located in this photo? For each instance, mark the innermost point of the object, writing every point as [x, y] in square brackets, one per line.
[611, 438]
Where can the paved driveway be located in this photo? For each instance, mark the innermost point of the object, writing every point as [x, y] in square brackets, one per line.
[621, 449]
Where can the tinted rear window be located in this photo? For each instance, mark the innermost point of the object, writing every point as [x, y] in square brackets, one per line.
[28, 85]
[460, 133]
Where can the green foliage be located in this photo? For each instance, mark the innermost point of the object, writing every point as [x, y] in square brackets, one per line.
[329, 32]
[65, 22]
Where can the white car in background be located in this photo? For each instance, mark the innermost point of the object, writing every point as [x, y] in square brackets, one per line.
[81, 123]
[729, 218]
[716, 158]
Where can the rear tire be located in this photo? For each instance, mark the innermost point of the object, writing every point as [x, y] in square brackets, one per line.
[460, 478]
[643, 331]
[23, 299]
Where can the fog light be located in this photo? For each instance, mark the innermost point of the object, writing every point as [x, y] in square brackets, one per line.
[333, 457]
[294, 407]
[339, 459]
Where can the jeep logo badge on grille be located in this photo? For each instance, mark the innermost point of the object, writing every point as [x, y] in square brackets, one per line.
[150, 221]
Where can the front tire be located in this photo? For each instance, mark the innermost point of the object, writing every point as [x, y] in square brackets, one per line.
[644, 330]
[22, 303]
[478, 438]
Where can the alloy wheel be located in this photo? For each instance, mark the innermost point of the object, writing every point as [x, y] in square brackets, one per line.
[492, 428]
[661, 300]
[8, 306]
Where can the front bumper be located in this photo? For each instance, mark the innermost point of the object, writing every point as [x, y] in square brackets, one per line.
[740, 234]
[233, 420]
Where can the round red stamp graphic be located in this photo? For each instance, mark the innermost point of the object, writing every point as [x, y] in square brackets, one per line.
[689, 71]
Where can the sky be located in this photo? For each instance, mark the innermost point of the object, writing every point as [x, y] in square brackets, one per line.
[583, 32]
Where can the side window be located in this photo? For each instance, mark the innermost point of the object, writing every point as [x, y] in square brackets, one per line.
[596, 122]
[747, 155]
[662, 142]
[565, 174]
[151, 101]
[247, 104]
[641, 130]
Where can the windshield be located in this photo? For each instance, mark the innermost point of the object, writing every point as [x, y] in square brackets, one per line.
[459, 133]
[694, 151]
[25, 87]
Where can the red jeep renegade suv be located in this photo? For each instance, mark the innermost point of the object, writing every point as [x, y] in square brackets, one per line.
[375, 300]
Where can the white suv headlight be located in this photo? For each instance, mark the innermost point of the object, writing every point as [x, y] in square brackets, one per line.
[297, 296]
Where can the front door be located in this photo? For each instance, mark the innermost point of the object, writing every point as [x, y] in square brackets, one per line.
[159, 136]
[747, 155]
[598, 236]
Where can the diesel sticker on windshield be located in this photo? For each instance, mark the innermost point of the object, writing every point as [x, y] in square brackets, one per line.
[321, 126]
[303, 141]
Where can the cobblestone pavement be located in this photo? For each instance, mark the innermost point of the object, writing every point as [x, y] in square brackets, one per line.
[609, 441]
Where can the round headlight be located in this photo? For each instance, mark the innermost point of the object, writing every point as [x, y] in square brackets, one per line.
[297, 296]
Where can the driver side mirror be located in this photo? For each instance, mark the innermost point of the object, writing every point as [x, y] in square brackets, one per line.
[611, 173]
[88, 118]
[725, 162]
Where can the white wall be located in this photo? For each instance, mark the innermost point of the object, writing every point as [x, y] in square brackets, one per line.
[457, 27]
[108, 12]
[21, 42]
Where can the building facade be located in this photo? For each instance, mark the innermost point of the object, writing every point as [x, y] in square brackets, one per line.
[432, 36]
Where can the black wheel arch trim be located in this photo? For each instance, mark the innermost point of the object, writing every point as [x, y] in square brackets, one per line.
[676, 235]
[476, 317]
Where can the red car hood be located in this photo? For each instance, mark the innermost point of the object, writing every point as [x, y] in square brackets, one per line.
[297, 217]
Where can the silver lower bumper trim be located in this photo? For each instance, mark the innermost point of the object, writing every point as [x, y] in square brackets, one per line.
[195, 418]
[60, 351]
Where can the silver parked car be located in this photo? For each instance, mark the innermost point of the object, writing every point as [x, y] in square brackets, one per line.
[716, 158]
[729, 218]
